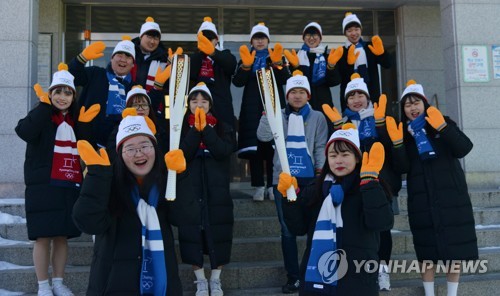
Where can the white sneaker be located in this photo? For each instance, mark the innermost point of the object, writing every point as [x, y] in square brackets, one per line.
[216, 288]
[62, 290]
[45, 292]
[201, 287]
[384, 281]
[270, 193]
[259, 193]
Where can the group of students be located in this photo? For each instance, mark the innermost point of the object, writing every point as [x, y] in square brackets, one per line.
[121, 136]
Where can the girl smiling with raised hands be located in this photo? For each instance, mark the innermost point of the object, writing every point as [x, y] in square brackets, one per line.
[427, 147]
[124, 206]
[342, 216]
[53, 175]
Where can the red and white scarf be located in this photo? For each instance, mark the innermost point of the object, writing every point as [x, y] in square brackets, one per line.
[153, 68]
[66, 169]
[206, 73]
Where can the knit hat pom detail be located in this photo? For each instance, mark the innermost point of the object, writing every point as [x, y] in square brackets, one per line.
[348, 126]
[149, 19]
[297, 72]
[62, 66]
[207, 19]
[411, 82]
[354, 76]
[126, 37]
[348, 13]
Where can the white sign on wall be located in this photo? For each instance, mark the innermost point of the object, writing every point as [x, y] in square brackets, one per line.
[496, 61]
[475, 63]
[44, 59]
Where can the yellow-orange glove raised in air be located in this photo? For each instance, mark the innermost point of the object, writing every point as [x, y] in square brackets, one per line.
[90, 114]
[395, 131]
[380, 108]
[292, 57]
[378, 46]
[435, 119]
[42, 95]
[285, 181]
[90, 156]
[334, 56]
[247, 58]
[276, 54]
[162, 76]
[334, 115]
[204, 45]
[372, 163]
[175, 160]
[92, 52]
[171, 54]
[352, 56]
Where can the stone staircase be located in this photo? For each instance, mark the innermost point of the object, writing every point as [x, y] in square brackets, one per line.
[256, 267]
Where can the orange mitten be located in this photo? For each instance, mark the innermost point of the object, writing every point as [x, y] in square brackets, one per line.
[395, 131]
[276, 54]
[42, 95]
[162, 76]
[247, 58]
[90, 156]
[333, 114]
[205, 45]
[200, 119]
[352, 56]
[378, 46]
[90, 114]
[175, 160]
[379, 108]
[285, 181]
[435, 119]
[335, 55]
[372, 163]
[171, 54]
[292, 57]
[92, 52]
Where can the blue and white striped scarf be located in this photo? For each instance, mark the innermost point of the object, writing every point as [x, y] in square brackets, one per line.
[260, 59]
[321, 277]
[319, 68]
[117, 96]
[365, 123]
[416, 128]
[153, 272]
[299, 157]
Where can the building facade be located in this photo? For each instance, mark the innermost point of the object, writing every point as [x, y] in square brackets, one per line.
[449, 46]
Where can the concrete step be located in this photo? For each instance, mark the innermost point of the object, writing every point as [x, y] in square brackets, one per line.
[244, 249]
[80, 253]
[243, 227]
[255, 279]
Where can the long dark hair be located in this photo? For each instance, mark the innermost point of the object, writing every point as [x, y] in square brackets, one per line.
[124, 181]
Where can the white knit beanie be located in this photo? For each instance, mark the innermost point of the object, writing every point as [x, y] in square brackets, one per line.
[125, 46]
[260, 28]
[149, 25]
[131, 126]
[356, 84]
[62, 78]
[413, 88]
[201, 86]
[350, 18]
[297, 81]
[137, 90]
[208, 25]
[314, 25]
[349, 135]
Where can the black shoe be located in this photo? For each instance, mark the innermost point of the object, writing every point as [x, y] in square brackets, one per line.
[291, 287]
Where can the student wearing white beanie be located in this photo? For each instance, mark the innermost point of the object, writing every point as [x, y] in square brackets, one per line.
[306, 133]
[317, 64]
[214, 66]
[123, 202]
[203, 210]
[361, 57]
[249, 147]
[53, 176]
